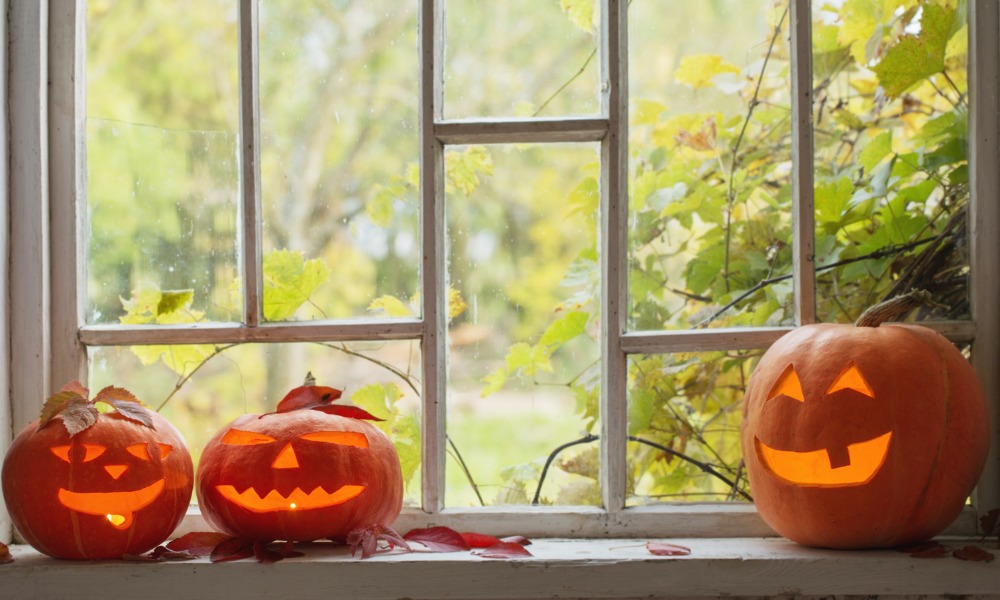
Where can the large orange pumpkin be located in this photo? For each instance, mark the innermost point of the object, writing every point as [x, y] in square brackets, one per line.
[83, 484]
[300, 473]
[863, 436]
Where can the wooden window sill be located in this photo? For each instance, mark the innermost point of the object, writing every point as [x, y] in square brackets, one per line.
[560, 568]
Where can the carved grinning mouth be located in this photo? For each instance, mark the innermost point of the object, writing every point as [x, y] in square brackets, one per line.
[117, 507]
[816, 468]
[296, 500]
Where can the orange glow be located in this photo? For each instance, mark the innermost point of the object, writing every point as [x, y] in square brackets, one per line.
[851, 379]
[236, 437]
[116, 471]
[62, 452]
[297, 500]
[812, 469]
[90, 452]
[341, 438]
[286, 459]
[788, 385]
[117, 507]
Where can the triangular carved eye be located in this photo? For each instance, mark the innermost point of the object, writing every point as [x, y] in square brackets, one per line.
[851, 379]
[788, 385]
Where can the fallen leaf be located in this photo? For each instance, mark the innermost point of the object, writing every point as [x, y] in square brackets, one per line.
[478, 540]
[667, 549]
[5, 556]
[973, 553]
[438, 539]
[990, 523]
[517, 539]
[197, 543]
[503, 550]
[931, 550]
[232, 549]
[368, 538]
[265, 555]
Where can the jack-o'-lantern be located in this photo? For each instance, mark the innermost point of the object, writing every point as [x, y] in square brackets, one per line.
[84, 484]
[308, 471]
[863, 436]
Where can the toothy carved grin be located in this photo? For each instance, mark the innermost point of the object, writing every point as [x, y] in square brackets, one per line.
[296, 500]
[118, 507]
[814, 469]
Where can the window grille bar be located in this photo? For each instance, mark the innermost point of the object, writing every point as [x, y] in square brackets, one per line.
[433, 266]
[521, 131]
[229, 333]
[614, 249]
[251, 227]
[984, 223]
[67, 188]
[803, 218]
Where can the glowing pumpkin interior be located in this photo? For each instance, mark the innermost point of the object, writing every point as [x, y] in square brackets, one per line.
[118, 507]
[286, 458]
[855, 465]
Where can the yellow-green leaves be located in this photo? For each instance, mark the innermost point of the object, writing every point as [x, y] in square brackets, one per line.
[580, 12]
[698, 70]
[289, 280]
[916, 57]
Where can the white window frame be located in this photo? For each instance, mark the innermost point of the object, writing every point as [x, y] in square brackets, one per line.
[46, 185]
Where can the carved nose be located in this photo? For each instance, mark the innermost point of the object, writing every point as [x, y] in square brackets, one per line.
[286, 459]
[116, 471]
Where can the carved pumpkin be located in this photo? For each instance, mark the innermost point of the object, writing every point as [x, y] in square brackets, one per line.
[300, 473]
[863, 436]
[91, 485]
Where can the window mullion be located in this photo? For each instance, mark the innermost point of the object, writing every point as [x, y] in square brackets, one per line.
[251, 226]
[984, 223]
[614, 248]
[433, 266]
[803, 218]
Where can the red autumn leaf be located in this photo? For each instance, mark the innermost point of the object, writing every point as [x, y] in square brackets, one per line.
[516, 539]
[990, 523]
[368, 539]
[503, 550]
[287, 550]
[308, 396]
[667, 549]
[931, 550]
[478, 540]
[111, 393]
[232, 549]
[197, 543]
[438, 539]
[5, 556]
[919, 546]
[56, 404]
[78, 415]
[345, 410]
[133, 411]
[265, 555]
[974, 553]
[142, 557]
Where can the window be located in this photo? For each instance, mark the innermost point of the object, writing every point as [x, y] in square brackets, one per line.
[509, 228]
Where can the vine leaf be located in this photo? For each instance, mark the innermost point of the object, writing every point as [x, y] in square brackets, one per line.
[78, 414]
[479, 540]
[368, 539]
[5, 557]
[133, 411]
[698, 70]
[667, 549]
[438, 539]
[348, 411]
[308, 396]
[232, 549]
[990, 523]
[391, 306]
[289, 281]
[503, 550]
[916, 57]
[56, 404]
[197, 543]
[580, 12]
[973, 553]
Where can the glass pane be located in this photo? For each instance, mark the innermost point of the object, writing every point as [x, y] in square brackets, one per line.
[339, 93]
[162, 166]
[523, 369]
[202, 388]
[892, 180]
[521, 58]
[684, 413]
[710, 162]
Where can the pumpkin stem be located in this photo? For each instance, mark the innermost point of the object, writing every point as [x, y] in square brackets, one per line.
[310, 379]
[894, 308]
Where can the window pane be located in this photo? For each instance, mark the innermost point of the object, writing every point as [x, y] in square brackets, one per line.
[339, 92]
[380, 377]
[521, 58]
[892, 181]
[710, 161]
[684, 412]
[162, 167]
[523, 363]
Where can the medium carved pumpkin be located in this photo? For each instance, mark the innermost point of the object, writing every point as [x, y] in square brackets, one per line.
[863, 436]
[302, 473]
[84, 484]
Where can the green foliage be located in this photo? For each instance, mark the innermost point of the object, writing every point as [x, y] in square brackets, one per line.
[289, 280]
[403, 428]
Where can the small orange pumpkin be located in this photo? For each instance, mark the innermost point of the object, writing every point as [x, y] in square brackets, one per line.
[863, 436]
[309, 471]
[84, 484]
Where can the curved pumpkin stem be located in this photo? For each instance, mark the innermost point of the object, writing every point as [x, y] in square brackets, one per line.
[894, 308]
